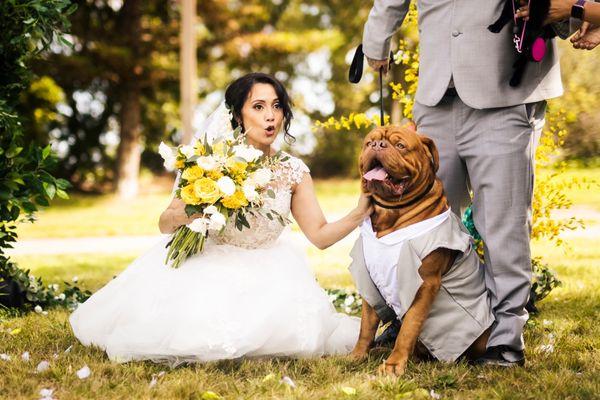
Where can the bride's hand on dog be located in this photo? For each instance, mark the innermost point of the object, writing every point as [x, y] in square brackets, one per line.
[365, 206]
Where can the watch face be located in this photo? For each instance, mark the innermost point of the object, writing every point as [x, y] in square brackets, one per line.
[577, 11]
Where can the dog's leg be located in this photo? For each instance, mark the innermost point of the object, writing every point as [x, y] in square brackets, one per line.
[369, 322]
[505, 17]
[431, 271]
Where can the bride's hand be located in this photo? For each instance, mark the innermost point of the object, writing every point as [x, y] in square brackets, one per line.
[365, 205]
[175, 216]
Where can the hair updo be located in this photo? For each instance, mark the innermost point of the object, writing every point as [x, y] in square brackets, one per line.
[238, 91]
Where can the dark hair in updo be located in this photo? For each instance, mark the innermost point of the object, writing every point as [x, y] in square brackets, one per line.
[238, 91]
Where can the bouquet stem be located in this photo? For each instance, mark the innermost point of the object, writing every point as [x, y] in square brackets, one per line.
[184, 244]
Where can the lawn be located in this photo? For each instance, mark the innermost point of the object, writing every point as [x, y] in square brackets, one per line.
[563, 341]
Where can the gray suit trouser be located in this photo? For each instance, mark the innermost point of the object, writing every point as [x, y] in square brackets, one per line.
[491, 153]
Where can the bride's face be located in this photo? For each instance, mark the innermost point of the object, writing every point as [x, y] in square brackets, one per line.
[262, 115]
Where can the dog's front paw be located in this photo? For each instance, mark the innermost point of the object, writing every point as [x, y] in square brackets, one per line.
[358, 354]
[392, 368]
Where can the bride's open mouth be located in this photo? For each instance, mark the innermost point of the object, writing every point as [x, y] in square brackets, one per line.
[270, 130]
[378, 175]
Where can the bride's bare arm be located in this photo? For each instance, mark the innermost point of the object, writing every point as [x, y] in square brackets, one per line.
[307, 212]
[174, 216]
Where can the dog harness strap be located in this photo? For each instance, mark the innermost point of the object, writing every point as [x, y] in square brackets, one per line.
[381, 96]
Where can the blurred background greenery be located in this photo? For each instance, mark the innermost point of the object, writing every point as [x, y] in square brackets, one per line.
[116, 89]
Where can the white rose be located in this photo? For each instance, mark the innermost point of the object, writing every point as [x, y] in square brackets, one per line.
[199, 225]
[248, 153]
[226, 185]
[211, 210]
[250, 191]
[167, 154]
[262, 176]
[207, 163]
[187, 150]
[217, 221]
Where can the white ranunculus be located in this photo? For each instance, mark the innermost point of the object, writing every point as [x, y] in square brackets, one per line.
[248, 153]
[226, 185]
[199, 225]
[187, 150]
[262, 176]
[207, 163]
[250, 191]
[210, 210]
[217, 221]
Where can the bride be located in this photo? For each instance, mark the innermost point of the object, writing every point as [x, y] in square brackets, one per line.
[250, 293]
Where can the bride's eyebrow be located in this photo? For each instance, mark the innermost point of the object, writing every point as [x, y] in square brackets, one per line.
[275, 100]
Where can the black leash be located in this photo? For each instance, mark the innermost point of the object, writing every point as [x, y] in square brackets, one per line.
[356, 71]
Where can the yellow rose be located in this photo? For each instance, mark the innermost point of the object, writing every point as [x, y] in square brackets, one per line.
[192, 173]
[188, 195]
[215, 174]
[207, 190]
[237, 170]
[236, 200]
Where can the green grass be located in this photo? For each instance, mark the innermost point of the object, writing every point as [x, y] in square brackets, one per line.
[568, 321]
[570, 314]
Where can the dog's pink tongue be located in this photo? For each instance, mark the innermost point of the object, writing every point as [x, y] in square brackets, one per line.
[376, 174]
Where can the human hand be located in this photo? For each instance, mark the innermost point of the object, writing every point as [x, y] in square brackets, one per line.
[376, 64]
[179, 215]
[365, 206]
[587, 37]
[523, 11]
[560, 10]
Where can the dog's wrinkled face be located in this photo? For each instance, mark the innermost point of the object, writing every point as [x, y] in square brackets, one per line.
[396, 163]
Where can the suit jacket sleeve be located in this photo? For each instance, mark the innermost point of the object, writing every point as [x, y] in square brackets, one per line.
[385, 18]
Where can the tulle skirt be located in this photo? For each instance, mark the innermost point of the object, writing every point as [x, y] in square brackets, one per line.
[225, 303]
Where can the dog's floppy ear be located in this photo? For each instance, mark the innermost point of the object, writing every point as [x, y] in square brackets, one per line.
[432, 152]
[408, 124]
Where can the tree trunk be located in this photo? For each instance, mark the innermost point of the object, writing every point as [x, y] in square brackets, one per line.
[129, 151]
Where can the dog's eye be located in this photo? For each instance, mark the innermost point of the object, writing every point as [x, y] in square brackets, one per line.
[400, 145]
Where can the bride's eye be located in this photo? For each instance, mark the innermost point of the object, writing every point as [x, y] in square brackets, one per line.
[258, 107]
[277, 105]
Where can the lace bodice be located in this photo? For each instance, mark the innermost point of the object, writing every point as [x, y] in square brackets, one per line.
[264, 231]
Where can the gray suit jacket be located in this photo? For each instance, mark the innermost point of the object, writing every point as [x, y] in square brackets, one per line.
[455, 43]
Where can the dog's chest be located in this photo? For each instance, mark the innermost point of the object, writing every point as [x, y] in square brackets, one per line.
[382, 255]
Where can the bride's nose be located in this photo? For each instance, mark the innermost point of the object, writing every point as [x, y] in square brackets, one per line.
[270, 115]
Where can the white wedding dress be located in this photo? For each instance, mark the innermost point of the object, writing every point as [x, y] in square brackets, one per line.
[249, 294]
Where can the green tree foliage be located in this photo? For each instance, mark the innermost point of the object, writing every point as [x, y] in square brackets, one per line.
[25, 181]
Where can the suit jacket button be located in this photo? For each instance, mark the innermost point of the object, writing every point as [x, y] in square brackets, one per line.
[456, 33]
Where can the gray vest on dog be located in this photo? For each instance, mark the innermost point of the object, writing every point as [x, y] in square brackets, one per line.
[460, 312]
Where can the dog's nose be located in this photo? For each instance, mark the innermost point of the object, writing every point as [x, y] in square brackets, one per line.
[378, 144]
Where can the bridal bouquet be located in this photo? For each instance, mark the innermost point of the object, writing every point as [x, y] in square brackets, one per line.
[221, 178]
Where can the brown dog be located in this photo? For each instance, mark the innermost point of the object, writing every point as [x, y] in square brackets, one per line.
[406, 191]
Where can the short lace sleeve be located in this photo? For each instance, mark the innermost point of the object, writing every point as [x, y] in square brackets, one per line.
[297, 170]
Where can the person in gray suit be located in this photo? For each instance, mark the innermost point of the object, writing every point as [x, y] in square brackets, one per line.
[486, 132]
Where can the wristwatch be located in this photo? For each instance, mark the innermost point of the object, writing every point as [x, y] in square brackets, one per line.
[578, 10]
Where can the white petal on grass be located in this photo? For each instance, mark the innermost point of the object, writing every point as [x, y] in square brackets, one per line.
[68, 350]
[348, 390]
[38, 309]
[25, 356]
[84, 372]
[75, 279]
[155, 378]
[434, 395]
[42, 366]
[4, 357]
[546, 348]
[286, 380]
[46, 394]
